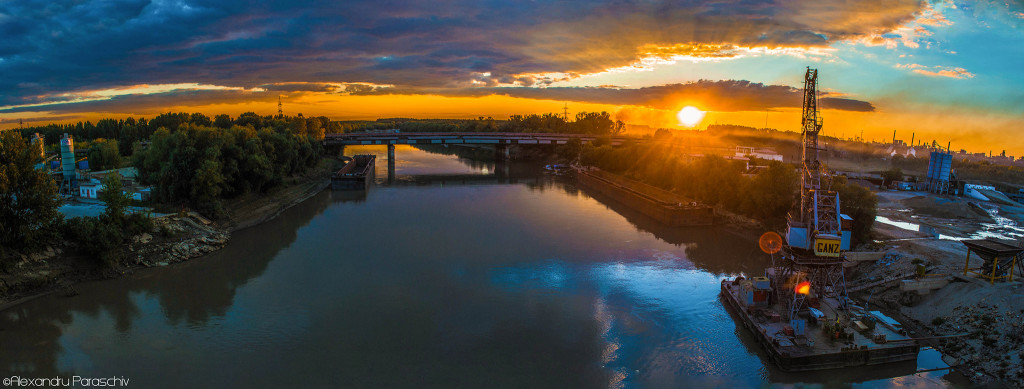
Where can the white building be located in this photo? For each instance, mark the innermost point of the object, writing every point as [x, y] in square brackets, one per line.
[89, 189]
[758, 152]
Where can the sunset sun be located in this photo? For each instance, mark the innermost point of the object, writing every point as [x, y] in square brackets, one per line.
[690, 116]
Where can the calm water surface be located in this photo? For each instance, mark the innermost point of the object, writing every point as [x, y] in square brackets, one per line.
[457, 274]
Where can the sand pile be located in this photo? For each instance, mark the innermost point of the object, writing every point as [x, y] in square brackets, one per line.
[945, 208]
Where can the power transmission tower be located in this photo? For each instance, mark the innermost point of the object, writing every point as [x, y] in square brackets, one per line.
[280, 111]
[565, 112]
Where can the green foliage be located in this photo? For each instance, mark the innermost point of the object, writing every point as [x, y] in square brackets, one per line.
[570, 150]
[860, 204]
[102, 238]
[200, 165]
[771, 194]
[96, 238]
[28, 198]
[585, 123]
[891, 175]
[104, 154]
[113, 195]
[129, 131]
[713, 180]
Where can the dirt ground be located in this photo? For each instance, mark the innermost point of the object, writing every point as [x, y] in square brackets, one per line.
[991, 316]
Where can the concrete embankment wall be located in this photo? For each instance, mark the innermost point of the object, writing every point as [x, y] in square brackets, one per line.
[662, 205]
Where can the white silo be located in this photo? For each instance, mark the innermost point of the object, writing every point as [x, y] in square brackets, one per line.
[67, 163]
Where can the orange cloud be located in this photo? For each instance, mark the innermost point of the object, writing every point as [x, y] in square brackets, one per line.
[937, 71]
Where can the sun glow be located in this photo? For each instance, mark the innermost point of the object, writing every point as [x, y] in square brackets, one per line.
[690, 116]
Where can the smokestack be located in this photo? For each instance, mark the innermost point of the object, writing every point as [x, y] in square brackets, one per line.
[912, 139]
[947, 147]
[893, 137]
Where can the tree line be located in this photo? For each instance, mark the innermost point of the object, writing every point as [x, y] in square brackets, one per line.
[130, 130]
[766, 196]
[595, 123]
[198, 165]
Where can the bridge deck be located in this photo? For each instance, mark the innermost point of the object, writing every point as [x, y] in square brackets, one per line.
[462, 138]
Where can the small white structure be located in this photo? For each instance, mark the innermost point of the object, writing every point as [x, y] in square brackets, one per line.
[972, 190]
[90, 189]
[757, 152]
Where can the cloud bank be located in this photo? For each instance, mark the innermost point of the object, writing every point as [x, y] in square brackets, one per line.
[731, 95]
[54, 47]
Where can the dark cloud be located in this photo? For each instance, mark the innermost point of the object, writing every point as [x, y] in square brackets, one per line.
[60, 46]
[47, 119]
[301, 87]
[149, 103]
[730, 95]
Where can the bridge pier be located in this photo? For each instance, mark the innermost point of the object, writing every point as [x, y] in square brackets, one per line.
[341, 150]
[391, 163]
[501, 152]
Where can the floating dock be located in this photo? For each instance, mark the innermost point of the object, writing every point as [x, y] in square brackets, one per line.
[662, 205]
[825, 339]
[356, 174]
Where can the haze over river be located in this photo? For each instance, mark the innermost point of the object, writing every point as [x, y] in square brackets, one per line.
[451, 276]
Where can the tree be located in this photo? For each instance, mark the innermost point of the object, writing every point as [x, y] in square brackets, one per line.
[28, 198]
[772, 193]
[199, 119]
[222, 121]
[113, 195]
[891, 175]
[104, 154]
[571, 150]
[860, 204]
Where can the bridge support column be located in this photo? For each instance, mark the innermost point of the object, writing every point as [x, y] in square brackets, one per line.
[501, 152]
[391, 163]
[341, 150]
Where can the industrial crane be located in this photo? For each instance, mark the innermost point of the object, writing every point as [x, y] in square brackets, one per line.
[815, 237]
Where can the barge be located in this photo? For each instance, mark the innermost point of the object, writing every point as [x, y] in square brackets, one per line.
[356, 174]
[819, 338]
[661, 205]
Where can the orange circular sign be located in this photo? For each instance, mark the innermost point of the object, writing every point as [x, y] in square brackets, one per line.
[770, 242]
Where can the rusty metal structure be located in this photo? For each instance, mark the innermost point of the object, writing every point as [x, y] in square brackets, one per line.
[814, 236]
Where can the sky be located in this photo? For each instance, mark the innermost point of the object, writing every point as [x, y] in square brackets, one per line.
[948, 71]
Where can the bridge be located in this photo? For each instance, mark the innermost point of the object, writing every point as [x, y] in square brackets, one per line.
[501, 140]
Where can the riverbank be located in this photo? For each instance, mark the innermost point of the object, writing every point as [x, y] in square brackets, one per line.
[923, 228]
[174, 239]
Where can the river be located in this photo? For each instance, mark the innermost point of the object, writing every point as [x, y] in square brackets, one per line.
[456, 274]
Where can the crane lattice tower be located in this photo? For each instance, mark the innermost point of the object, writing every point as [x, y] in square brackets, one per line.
[814, 237]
